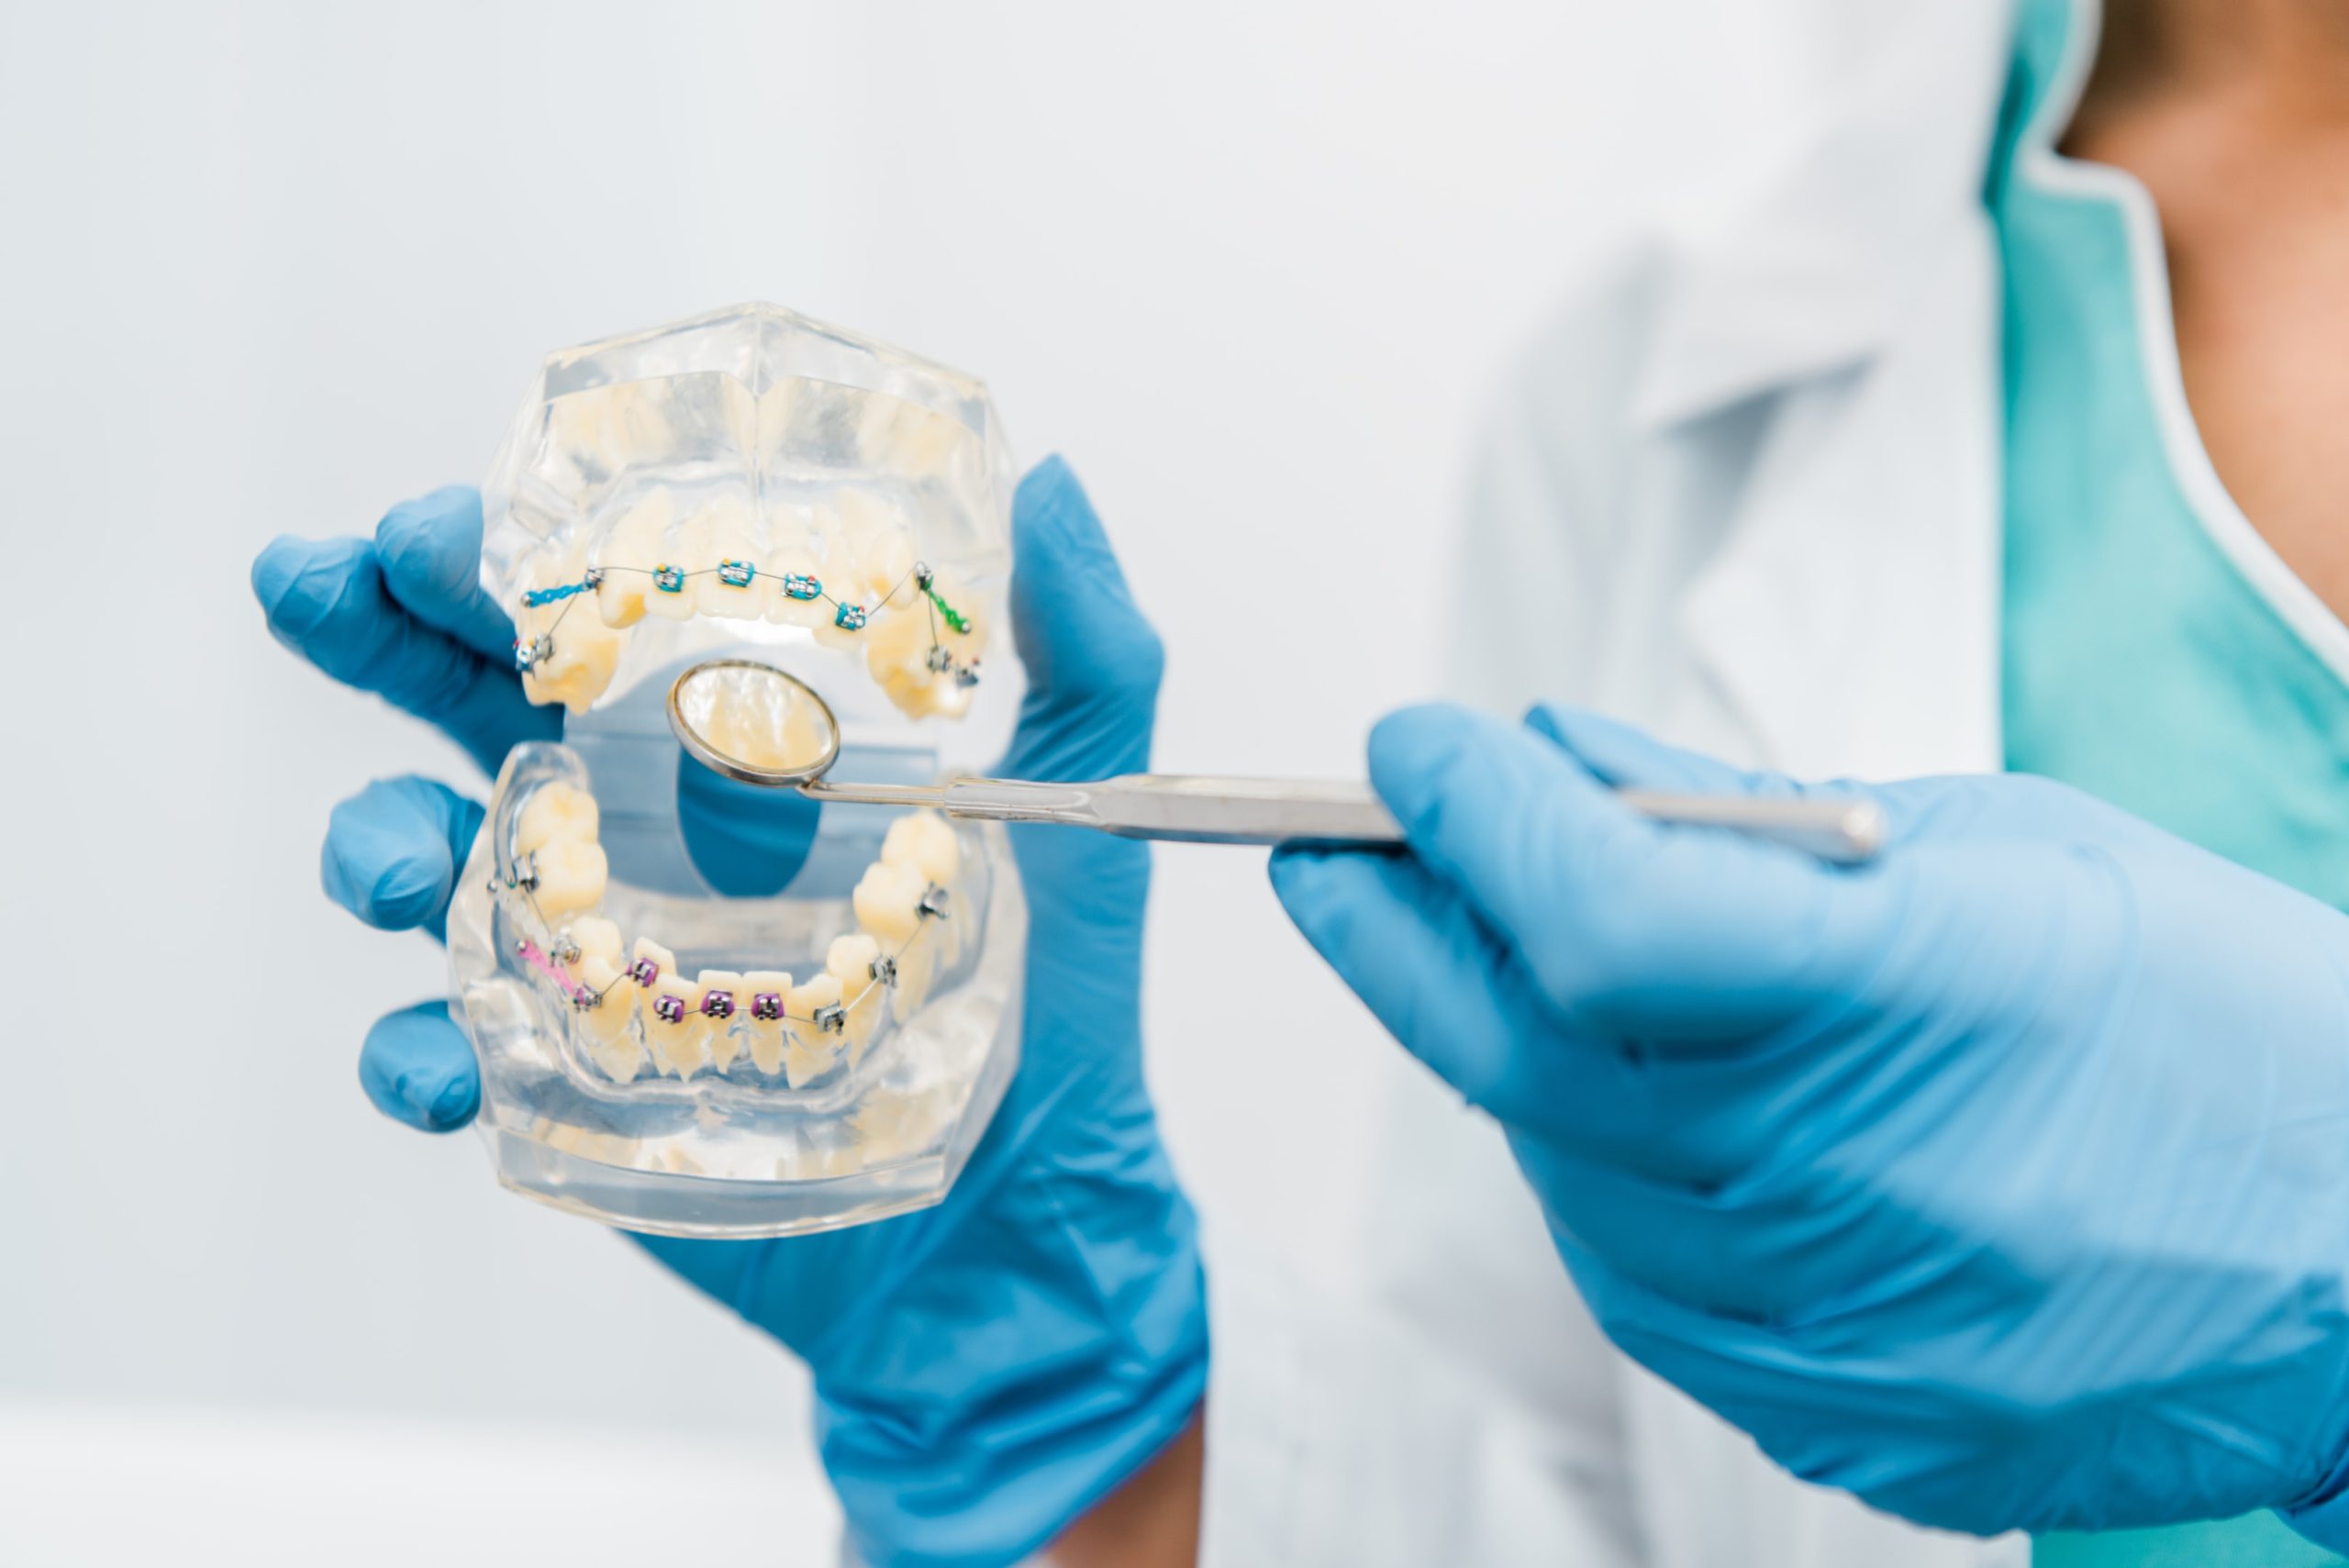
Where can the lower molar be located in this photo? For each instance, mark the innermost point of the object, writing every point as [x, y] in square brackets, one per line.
[570, 876]
[889, 901]
[924, 844]
[556, 810]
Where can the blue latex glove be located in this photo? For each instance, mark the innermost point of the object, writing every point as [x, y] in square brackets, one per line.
[985, 1370]
[2004, 1183]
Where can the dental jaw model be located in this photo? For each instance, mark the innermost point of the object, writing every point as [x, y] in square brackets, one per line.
[713, 1014]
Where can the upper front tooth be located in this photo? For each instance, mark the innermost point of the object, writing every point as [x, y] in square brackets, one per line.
[628, 551]
[726, 557]
[571, 875]
[721, 1004]
[792, 576]
[879, 546]
[887, 901]
[765, 996]
[556, 810]
[673, 594]
[922, 844]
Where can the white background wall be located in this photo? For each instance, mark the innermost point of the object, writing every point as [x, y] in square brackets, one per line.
[268, 269]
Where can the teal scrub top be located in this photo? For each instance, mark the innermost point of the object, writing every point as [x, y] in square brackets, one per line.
[2155, 651]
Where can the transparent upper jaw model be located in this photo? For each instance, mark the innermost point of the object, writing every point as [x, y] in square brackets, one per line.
[698, 1011]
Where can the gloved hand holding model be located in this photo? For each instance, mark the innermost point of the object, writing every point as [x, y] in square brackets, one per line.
[986, 1369]
[2003, 1182]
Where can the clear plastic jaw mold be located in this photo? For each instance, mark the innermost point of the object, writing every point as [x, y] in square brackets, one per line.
[700, 1009]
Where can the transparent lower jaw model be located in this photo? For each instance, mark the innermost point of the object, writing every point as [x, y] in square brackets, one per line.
[701, 1009]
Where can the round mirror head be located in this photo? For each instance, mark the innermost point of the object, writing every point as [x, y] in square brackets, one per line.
[750, 721]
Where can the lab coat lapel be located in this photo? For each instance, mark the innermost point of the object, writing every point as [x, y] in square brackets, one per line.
[1849, 618]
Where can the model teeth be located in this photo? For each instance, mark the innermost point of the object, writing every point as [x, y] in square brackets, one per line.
[590, 937]
[566, 656]
[569, 877]
[921, 842]
[608, 1026]
[814, 1017]
[635, 542]
[722, 1006]
[674, 1028]
[725, 563]
[556, 811]
[854, 961]
[634, 1008]
[597, 938]
[649, 961]
[914, 968]
[846, 572]
[927, 443]
[767, 996]
[888, 902]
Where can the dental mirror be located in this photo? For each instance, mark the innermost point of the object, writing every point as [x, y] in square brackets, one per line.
[752, 722]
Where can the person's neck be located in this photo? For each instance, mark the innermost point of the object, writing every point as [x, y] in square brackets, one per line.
[2281, 66]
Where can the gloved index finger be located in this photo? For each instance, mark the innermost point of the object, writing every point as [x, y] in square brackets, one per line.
[430, 550]
[329, 602]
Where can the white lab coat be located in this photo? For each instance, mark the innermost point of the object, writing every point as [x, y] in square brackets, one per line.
[1746, 492]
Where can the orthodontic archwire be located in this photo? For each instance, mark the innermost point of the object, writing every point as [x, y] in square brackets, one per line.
[929, 909]
[797, 585]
